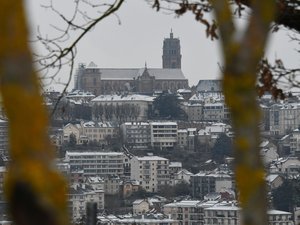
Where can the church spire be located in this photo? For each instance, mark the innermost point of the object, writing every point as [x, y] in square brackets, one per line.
[171, 34]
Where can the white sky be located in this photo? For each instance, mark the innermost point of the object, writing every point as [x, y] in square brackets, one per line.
[139, 39]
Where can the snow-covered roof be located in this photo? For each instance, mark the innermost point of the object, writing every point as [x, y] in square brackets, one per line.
[151, 158]
[123, 98]
[278, 212]
[184, 91]
[175, 164]
[94, 153]
[271, 177]
[184, 171]
[99, 124]
[212, 174]
[135, 73]
[163, 123]
[136, 123]
[185, 203]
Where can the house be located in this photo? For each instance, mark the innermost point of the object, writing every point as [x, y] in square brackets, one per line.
[128, 187]
[140, 206]
[112, 185]
[274, 181]
[182, 176]
[72, 129]
[268, 151]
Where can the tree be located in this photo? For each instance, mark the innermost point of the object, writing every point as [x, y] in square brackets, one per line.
[167, 106]
[72, 140]
[287, 196]
[222, 148]
[35, 192]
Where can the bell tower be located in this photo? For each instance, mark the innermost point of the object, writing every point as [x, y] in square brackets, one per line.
[171, 57]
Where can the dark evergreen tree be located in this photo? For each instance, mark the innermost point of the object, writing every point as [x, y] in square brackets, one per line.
[72, 140]
[222, 148]
[167, 106]
[287, 196]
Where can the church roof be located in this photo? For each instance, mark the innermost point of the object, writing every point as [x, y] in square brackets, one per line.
[134, 73]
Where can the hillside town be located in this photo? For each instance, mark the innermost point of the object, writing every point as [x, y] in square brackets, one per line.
[142, 147]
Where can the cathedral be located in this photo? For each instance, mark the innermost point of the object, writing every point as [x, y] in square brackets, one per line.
[135, 80]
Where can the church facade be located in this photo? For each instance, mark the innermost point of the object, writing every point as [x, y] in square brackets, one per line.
[135, 80]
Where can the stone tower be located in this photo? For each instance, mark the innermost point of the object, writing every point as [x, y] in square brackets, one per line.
[171, 57]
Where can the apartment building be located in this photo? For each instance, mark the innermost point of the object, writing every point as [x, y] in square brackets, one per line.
[222, 214]
[213, 111]
[295, 142]
[231, 215]
[144, 219]
[194, 111]
[186, 212]
[163, 134]
[100, 132]
[2, 174]
[84, 132]
[284, 118]
[204, 183]
[151, 171]
[101, 164]
[276, 217]
[136, 135]
[3, 137]
[80, 195]
[192, 212]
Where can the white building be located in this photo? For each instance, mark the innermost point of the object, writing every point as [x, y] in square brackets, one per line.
[182, 176]
[4, 137]
[100, 164]
[140, 206]
[144, 219]
[163, 134]
[231, 215]
[133, 107]
[222, 214]
[268, 151]
[276, 217]
[295, 142]
[151, 171]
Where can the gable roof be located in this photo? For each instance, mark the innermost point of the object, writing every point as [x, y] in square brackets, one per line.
[134, 73]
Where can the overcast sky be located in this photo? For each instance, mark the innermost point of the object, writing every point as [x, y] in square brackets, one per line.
[139, 39]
